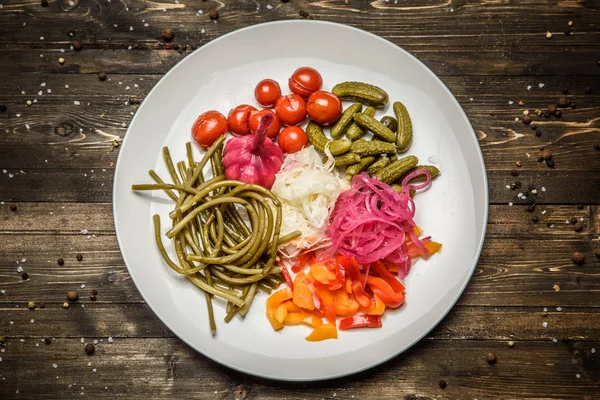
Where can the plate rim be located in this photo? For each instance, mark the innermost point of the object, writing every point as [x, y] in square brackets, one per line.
[450, 305]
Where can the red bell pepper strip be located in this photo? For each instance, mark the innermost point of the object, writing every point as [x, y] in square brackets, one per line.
[302, 260]
[350, 265]
[286, 275]
[360, 321]
[359, 295]
[381, 270]
[385, 292]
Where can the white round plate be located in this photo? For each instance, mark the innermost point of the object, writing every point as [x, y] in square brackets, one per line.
[221, 75]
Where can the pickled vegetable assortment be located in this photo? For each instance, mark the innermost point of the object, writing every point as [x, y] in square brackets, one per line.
[311, 192]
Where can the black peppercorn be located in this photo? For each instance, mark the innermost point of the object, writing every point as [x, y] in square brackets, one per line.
[514, 173]
[167, 35]
[77, 45]
[72, 296]
[513, 186]
[491, 358]
[530, 208]
[285, 1]
[540, 159]
[47, 341]
[61, 261]
[213, 14]
[580, 206]
[94, 292]
[443, 384]
[597, 253]
[79, 257]
[533, 126]
[518, 184]
[531, 187]
[538, 133]
[558, 114]
[562, 102]
[565, 91]
[102, 76]
[578, 227]
[573, 220]
[546, 154]
[535, 219]
[93, 297]
[550, 163]
[13, 207]
[546, 115]
[578, 258]
[44, 3]
[90, 348]
[3, 108]
[24, 276]
[551, 108]
[526, 120]
[597, 147]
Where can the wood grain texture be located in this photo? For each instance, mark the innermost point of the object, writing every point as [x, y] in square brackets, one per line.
[491, 54]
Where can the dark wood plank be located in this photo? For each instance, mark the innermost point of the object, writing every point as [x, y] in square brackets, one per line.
[428, 22]
[97, 320]
[166, 368]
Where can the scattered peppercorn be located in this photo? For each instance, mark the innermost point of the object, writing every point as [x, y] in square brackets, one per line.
[47, 341]
[72, 296]
[588, 90]
[13, 207]
[580, 206]
[29, 103]
[535, 219]
[551, 108]
[305, 15]
[548, 35]
[31, 305]
[61, 261]
[540, 159]
[79, 257]
[491, 358]
[3, 108]
[90, 348]
[538, 133]
[565, 91]
[578, 227]
[511, 343]
[573, 220]
[44, 3]
[93, 297]
[94, 292]
[42, 305]
[570, 23]
[558, 114]
[2, 339]
[544, 314]
[443, 384]
[102, 76]
[546, 154]
[531, 187]
[567, 32]
[77, 45]
[546, 115]
[533, 126]
[526, 112]
[562, 102]
[526, 120]
[514, 173]
[65, 305]
[597, 253]
[530, 208]
[572, 103]
[167, 35]
[578, 258]
[285, 1]
[550, 163]
[213, 14]
[597, 147]
[24, 276]
[521, 103]
[538, 112]
[61, 61]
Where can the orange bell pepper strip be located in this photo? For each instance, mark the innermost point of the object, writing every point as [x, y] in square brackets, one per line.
[323, 332]
[302, 318]
[377, 307]
[303, 296]
[359, 295]
[385, 292]
[360, 321]
[380, 269]
[418, 231]
[280, 313]
[348, 286]
[431, 246]
[325, 302]
[279, 297]
[321, 273]
[273, 320]
[291, 307]
[344, 305]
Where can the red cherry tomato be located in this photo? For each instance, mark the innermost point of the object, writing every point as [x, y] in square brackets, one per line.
[237, 120]
[208, 127]
[305, 81]
[291, 109]
[267, 92]
[292, 139]
[254, 120]
[324, 108]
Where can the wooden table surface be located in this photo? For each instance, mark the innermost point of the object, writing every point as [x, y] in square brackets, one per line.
[57, 160]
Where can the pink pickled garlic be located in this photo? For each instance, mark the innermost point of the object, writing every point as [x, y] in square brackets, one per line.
[253, 158]
[370, 221]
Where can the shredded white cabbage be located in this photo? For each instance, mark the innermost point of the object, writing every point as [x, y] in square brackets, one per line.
[308, 190]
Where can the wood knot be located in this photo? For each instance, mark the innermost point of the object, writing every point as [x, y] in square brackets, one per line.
[240, 392]
[64, 129]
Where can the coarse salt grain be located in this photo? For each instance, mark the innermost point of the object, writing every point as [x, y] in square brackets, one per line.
[94, 370]
[95, 341]
[19, 269]
[508, 186]
[510, 204]
[32, 321]
[529, 87]
[552, 226]
[593, 350]
[543, 189]
[558, 308]
[40, 93]
[545, 324]
[544, 212]
[578, 376]
[555, 340]
[546, 309]
[541, 85]
[110, 339]
[269, 7]
[510, 102]
[77, 103]
[54, 366]
[516, 119]
[82, 286]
